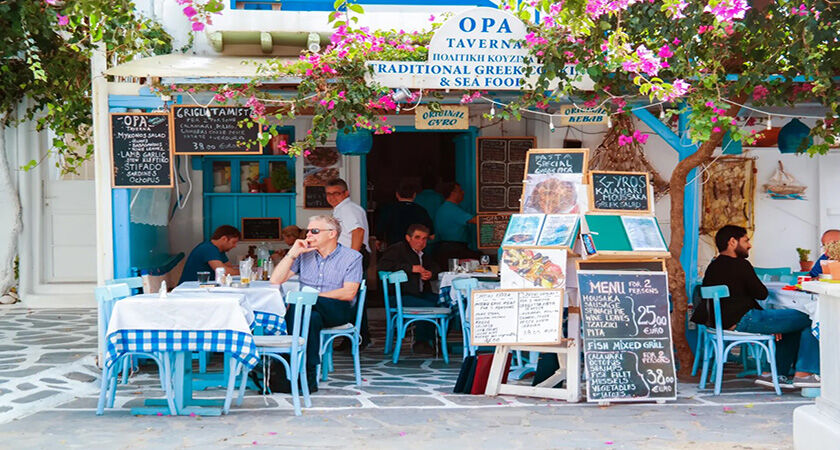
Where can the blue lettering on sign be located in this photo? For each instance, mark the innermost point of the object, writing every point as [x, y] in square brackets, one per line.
[467, 25]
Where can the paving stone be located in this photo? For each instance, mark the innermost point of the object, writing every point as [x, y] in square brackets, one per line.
[405, 401]
[53, 381]
[26, 386]
[25, 371]
[79, 376]
[4, 391]
[80, 403]
[475, 400]
[387, 390]
[255, 402]
[12, 348]
[333, 402]
[5, 408]
[395, 384]
[60, 357]
[36, 396]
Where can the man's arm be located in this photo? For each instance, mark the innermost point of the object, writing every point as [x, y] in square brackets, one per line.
[285, 267]
[229, 268]
[345, 293]
[392, 260]
[357, 237]
[755, 287]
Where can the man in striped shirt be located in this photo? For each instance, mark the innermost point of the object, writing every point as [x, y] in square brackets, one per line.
[331, 268]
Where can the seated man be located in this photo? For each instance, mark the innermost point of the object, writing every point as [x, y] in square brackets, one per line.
[795, 347]
[209, 255]
[827, 237]
[408, 256]
[451, 223]
[331, 268]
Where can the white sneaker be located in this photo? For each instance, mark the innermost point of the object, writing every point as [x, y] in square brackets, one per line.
[811, 381]
[767, 381]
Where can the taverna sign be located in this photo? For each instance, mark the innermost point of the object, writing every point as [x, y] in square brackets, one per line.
[481, 48]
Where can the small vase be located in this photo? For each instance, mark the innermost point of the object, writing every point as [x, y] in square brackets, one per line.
[834, 269]
[806, 266]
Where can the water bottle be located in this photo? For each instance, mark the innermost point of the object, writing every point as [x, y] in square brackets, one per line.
[162, 292]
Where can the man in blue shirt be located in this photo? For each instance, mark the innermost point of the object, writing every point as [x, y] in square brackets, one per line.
[827, 237]
[429, 198]
[452, 227]
[332, 269]
[209, 255]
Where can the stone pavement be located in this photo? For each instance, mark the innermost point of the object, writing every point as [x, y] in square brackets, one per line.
[49, 387]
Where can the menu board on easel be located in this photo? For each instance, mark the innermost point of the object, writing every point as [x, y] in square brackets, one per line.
[509, 316]
[554, 181]
[491, 229]
[214, 130]
[500, 170]
[628, 351]
[619, 192]
[141, 151]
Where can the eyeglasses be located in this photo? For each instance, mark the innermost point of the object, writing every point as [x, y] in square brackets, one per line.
[318, 230]
[332, 194]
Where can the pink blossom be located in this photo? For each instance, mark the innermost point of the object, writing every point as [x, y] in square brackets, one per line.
[51, 2]
[197, 26]
[331, 104]
[665, 52]
[714, 119]
[675, 9]
[678, 88]
[341, 95]
[716, 130]
[62, 20]
[727, 10]
[591, 103]
[640, 137]
[759, 92]
[189, 11]
[624, 140]
[676, 41]
[432, 18]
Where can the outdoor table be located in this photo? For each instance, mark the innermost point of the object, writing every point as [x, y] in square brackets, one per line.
[176, 326]
[486, 280]
[780, 298]
[264, 298]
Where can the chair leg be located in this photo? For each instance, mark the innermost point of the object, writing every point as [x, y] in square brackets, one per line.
[231, 383]
[127, 364]
[389, 334]
[698, 353]
[244, 382]
[443, 326]
[202, 362]
[323, 368]
[758, 353]
[707, 355]
[304, 382]
[356, 366]
[719, 362]
[771, 359]
[112, 382]
[165, 367]
[398, 342]
[103, 391]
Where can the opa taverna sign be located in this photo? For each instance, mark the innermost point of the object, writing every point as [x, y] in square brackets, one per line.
[481, 48]
[447, 118]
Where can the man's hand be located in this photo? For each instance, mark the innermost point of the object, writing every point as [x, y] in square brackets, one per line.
[425, 275]
[417, 268]
[299, 247]
[778, 337]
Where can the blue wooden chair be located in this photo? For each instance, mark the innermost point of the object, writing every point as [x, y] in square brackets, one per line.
[275, 346]
[106, 297]
[437, 316]
[348, 330]
[464, 288]
[715, 338]
[390, 313]
[135, 285]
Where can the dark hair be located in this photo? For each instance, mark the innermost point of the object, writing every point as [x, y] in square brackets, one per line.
[447, 188]
[407, 189]
[726, 233]
[226, 231]
[293, 230]
[417, 227]
[337, 182]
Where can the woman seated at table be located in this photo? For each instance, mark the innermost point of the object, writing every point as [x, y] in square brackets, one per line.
[289, 234]
[209, 255]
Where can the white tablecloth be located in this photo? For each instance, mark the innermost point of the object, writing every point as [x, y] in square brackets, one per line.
[779, 298]
[260, 295]
[447, 277]
[186, 311]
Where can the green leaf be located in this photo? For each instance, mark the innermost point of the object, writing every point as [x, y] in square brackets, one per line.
[356, 9]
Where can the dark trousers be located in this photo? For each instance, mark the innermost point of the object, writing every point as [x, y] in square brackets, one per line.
[326, 313]
[365, 331]
[423, 331]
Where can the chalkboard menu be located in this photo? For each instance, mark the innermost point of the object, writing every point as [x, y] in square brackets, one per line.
[501, 169]
[491, 230]
[627, 336]
[509, 316]
[626, 192]
[553, 161]
[140, 150]
[315, 197]
[261, 228]
[214, 130]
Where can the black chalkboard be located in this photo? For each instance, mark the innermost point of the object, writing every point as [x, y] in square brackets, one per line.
[627, 336]
[220, 133]
[140, 150]
[315, 197]
[619, 191]
[261, 228]
[491, 230]
[500, 168]
[547, 161]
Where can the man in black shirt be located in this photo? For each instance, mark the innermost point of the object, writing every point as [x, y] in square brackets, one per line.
[396, 218]
[741, 312]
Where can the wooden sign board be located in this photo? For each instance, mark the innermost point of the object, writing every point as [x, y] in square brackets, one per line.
[214, 130]
[261, 228]
[449, 117]
[500, 168]
[619, 192]
[557, 161]
[491, 229]
[315, 197]
[141, 150]
[512, 316]
[628, 352]
[576, 116]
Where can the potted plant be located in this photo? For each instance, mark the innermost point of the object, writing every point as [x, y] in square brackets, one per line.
[832, 265]
[281, 179]
[804, 264]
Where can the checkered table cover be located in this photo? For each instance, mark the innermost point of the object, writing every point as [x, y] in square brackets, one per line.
[240, 345]
[270, 323]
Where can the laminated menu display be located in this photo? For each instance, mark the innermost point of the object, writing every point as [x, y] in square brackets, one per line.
[500, 168]
[516, 317]
[628, 351]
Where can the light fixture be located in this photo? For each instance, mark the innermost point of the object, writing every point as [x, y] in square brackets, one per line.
[400, 95]
[259, 134]
[398, 108]
[661, 113]
[769, 122]
[492, 109]
[609, 122]
[207, 111]
[551, 123]
[313, 43]
[293, 109]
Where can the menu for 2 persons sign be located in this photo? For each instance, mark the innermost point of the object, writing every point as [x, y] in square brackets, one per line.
[511, 316]
[627, 336]
[141, 151]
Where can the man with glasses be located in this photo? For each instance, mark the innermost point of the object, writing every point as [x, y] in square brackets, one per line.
[827, 238]
[331, 268]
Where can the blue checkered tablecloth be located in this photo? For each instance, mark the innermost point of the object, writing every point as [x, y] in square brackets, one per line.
[240, 345]
[270, 323]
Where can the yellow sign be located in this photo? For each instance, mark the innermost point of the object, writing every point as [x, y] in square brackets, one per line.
[572, 115]
[448, 118]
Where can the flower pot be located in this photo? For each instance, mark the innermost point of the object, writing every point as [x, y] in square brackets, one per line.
[834, 270]
[268, 185]
[806, 266]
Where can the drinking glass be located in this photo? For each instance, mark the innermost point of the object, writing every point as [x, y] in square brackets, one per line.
[202, 277]
[453, 264]
[485, 260]
[245, 272]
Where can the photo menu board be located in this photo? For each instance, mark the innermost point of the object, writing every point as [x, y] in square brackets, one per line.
[501, 169]
[214, 130]
[516, 317]
[140, 150]
[627, 349]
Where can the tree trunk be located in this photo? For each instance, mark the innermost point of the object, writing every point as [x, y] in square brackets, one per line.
[10, 223]
[676, 274]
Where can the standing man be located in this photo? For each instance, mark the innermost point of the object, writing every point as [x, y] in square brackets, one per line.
[331, 268]
[409, 257]
[451, 223]
[354, 232]
[429, 198]
[827, 238]
[209, 255]
[395, 220]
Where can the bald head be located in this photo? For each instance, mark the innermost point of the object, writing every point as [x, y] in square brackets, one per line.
[830, 236]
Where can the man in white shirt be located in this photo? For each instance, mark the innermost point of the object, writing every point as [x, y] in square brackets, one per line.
[354, 232]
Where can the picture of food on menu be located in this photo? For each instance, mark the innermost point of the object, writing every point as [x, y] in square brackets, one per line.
[552, 194]
[320, 166]
[558, 230]
[523, 230]
[524, 268]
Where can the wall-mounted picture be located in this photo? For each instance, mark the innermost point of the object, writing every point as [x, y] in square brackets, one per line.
[643, 233]
[531, 268]
[523, 230]
[558, 230]
[552, 194]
